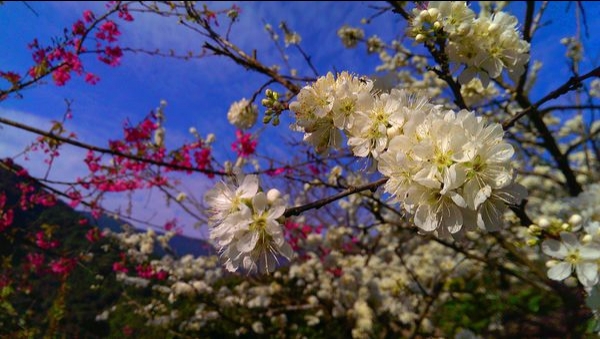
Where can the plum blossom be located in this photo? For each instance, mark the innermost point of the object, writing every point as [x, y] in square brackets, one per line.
[242, 114]
[486, 45]
[573, 256]
[451, 170]
[329, 107]
[246, 225]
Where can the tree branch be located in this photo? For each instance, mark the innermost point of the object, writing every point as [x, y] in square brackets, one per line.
[292, 211]
[105, 150]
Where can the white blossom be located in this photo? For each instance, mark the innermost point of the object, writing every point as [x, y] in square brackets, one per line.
[574, 256]
[242, 114]
[246, 226]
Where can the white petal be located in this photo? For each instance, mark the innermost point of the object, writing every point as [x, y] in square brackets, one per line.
[512, 194]
[467, 75]
[276, 211]
[490, 215]
[260, 202]
[273, 228]
[230, 266]
[249, 186]
[501, 152]
[457, 199]
[248, 264]
[560, 271]
[470, 190]
[554, 248]
[453, 178]
[286, 250]
[427, 177]
[590, 252]
[247, 242]
[451, 217]
[426, 219]
[570, 240]
[481, 196]
[587, 273]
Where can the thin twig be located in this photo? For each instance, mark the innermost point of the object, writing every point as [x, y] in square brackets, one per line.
[322, 202]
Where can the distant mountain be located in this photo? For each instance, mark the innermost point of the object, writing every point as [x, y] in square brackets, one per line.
[34, 303]
[180, 244]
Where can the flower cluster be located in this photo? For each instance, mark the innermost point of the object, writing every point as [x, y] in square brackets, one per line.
[451, 170]
[244, 145]
[242, 114]
[485, 44]
[577, 222]
[245, 224]
[329, 280]
[6, 214]
[350, 35]
[329, 106]
[448, 169]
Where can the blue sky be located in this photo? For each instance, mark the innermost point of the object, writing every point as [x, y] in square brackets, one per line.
[199, 92]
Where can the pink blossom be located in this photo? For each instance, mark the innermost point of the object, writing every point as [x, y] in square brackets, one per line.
[88, 16]
[202, 158]
[78, 28]
[162, 275]
[144, 271]
[108, 31]
[43, 243]
[276, 171]
[124, 13]
[75, 197]
[93, 235]
[62, 266]
[6, 215]
[111, 56]
[91, 78]
[245, 145]
[35, 261]
[120, 267]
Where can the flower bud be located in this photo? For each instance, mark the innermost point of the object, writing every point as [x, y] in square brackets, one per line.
[575, 220]
[159, 137]
[210, 138]
[273, 195]
[534, 230]
[532, 242]
[433, 12]
[544, 222]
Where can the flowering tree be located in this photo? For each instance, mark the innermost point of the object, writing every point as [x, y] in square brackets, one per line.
[436, 197]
